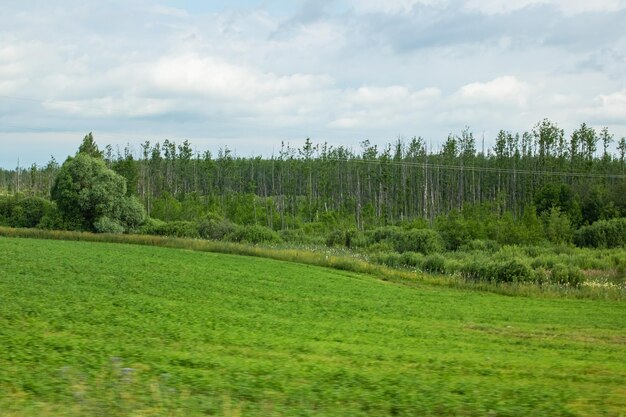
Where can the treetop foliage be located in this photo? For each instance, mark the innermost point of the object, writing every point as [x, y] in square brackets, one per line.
[89, 147]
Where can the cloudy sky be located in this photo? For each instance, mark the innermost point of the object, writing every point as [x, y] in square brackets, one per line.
[249, 74]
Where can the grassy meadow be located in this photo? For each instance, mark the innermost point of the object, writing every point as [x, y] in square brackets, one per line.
[89, 328]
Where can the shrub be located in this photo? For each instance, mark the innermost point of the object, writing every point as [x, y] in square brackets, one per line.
[557, 226]
[543, 262]
[294, 236]
[52, 220]
[511, 271]
[29, 211]
[383, 234]
[540, 275]
[6, 208]
[177, 229]
[499, 271]
[358, 239]
[474, 271]
[392, 259]
[336, 238]
[425, 241]
[602, 234]
[477, 245]
[452, 266]
[107, 225]
[454, 230]
[412, 260]
[150, 226]
[131, 213]
[434, 264]
[561, 274]
[216, 229]
[254, 234]
[380, 247]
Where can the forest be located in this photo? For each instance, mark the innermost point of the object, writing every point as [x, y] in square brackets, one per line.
[541, 187]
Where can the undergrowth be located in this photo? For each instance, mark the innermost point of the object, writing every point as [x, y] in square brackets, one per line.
[442, 271]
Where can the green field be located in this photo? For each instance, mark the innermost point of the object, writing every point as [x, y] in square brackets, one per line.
[114, 329]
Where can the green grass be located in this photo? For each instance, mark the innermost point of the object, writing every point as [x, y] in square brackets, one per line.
[347, 260]
[115, 329]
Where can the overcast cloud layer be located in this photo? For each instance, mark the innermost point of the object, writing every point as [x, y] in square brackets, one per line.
[250, 74]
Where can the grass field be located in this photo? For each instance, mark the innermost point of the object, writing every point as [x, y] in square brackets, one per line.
[113, 329]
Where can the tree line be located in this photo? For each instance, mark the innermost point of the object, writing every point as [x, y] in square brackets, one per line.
[582, 175]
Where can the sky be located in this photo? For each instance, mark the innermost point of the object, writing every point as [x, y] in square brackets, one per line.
[250, 74]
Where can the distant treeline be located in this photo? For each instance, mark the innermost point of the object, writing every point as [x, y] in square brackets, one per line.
[581, 175]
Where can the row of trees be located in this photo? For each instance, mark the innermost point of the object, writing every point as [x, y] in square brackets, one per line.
[580, 175]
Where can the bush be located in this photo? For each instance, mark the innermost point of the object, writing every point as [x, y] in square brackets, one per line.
[475, 271]
[29, 211]
[569, 275]
[131, 213]
[434, 264]
[425, 241]
[254, 234]
[383, 234]
[500, 271]
[557, 226]
[393, 260]
[52, 220]
[412, 260]
[380, 247]
[477, 245]
[454, 230]
[336, 238]
[150, 226]
[107, 225]
[547, 262]
[6, 208]
[177, 229]
[294, 236]
[511, 271]
[602, 234]
[216, 229]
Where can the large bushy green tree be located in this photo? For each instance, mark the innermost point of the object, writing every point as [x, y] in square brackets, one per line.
[91, 196]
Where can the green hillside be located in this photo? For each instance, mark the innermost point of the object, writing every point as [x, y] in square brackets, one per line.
[112, 329]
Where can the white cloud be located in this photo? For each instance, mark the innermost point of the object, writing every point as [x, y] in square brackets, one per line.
[568, 7]
[609, 108]
[383, 106]
[211, 76]
[392, 6]
[502, 91]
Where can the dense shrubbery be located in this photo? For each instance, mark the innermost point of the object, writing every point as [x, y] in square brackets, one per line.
[25, 211]
[107, 225]
[254, 234]
[295, 236]
[602, 234]
[175, 229]
[477, 245]
[562, 274]
[214, 229]
[435, 264]
[424, 241]
[509, 264]
[509, 271]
